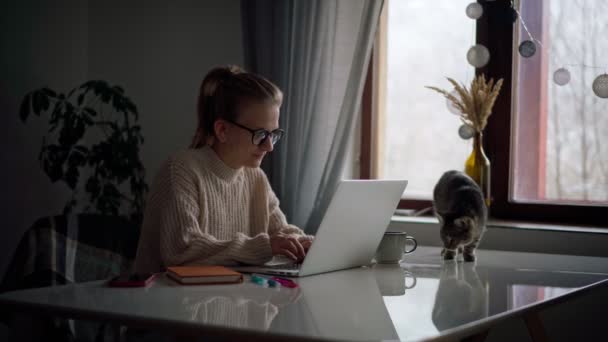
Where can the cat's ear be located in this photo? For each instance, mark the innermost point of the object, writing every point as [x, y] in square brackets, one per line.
[464, 222]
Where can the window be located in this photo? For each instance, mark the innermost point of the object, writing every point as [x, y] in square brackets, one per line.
[560, 141]
[416, 134]
[546, 143]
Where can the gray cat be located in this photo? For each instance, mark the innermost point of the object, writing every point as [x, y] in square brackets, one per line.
[462, 214]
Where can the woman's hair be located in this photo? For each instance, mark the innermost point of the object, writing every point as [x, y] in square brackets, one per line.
[222, 92]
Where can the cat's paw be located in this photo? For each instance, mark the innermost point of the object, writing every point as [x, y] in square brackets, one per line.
[448, 254]
[469, 257]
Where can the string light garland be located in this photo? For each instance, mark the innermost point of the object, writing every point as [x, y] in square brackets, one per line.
[474, 10]
[561, 76]
[466, 131]
[478, 56]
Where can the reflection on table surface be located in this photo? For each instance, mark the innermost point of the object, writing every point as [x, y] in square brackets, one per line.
[419, 298]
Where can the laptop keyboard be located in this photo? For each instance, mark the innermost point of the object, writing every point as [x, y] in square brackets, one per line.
[281, 262]
[284, 266]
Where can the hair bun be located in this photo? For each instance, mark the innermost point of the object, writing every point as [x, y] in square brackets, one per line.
[219, 75]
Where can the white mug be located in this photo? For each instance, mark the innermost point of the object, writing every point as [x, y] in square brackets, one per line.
[393, 247]
[393, 280]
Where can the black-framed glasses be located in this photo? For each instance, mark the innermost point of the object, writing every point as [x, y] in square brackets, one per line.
[259, 136]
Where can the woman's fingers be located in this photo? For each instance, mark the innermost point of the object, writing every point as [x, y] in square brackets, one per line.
[293, 246]
[306, 241]
[306, 244]
[289, 254]
[299, 248]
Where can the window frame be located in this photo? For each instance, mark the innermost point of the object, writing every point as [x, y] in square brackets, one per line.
[495, 31]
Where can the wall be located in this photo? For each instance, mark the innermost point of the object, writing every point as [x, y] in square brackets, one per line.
[41, 44]
[158, 52]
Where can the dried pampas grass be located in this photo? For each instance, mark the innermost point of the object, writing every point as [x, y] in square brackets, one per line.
[475, 104]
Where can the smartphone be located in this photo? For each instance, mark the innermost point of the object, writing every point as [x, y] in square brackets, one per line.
[132, 280]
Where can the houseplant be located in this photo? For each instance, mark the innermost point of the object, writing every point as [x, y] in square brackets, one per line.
[93, 134]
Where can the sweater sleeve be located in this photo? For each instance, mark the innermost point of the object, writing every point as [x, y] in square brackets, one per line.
[182, 241]
[277, 222]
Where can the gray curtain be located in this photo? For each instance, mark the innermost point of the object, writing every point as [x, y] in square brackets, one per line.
[317, 52]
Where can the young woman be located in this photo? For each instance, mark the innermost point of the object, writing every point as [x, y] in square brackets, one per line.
[212, 204]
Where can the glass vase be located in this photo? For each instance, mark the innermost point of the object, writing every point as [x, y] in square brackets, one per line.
[477, 167]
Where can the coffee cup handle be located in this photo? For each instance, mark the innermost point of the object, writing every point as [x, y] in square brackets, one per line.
[415, 244]
[407, 273]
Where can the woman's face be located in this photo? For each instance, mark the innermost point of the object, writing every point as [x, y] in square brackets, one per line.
[254, 116]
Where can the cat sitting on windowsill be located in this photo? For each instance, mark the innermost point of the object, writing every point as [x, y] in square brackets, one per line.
[462, 213]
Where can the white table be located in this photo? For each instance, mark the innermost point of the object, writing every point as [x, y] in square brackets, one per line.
[444, 299]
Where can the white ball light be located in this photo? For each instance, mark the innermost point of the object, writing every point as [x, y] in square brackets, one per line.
[600, 86]
[466, 132]
[561, 76]
[451, 107]
[474, 10]
[527, 48]
[478, 55]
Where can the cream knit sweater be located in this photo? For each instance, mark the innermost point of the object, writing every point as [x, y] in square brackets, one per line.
[201, 211]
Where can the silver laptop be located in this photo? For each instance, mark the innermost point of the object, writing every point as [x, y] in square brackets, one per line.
[350, 231]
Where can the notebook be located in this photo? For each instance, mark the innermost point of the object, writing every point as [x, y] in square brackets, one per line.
[203, 275]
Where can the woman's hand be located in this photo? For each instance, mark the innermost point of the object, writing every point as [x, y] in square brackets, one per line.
[306, 241]
[292, 246]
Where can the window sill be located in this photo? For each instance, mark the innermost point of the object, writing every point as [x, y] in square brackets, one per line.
[496, 223]
[516, 236]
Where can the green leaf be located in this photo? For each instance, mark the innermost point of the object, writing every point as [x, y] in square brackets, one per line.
[77, 158]
[79, 129]
[87, 119]
[49, 92]
[111, 196]
[92, 187]
[37, 103]
[45, 103]
[131, 107]
[104, 85]
[56, 113]
[68, 207]
[90, 111]
[81, 149]
[53, 128]
[71, 177]
[51, 166]
[72, 131]
[81, 99]
[101, 88]
[117, 103]
[106, 96]
[24, 110]
[69, 108]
